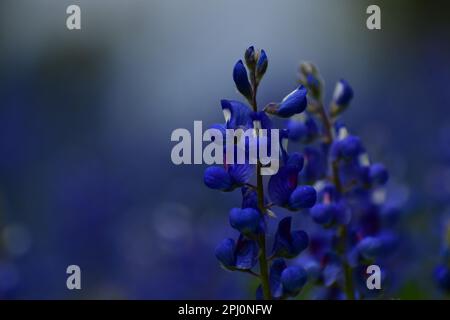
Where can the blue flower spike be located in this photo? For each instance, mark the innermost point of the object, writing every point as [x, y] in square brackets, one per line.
[330, 177]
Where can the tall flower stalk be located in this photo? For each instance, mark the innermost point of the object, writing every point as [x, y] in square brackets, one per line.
[332, 180]
[327, 123]
[264, 271]
[277, 279]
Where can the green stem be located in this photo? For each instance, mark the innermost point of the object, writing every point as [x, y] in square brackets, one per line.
[264, 271]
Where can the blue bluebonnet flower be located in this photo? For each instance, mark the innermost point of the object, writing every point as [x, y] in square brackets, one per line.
[347, 148]
[250, 220]
[227, 177]
[370, 247]
[240, 78]
[261, 65]
[293, 279]
[285, 281]
[310, 78]
[249, 198]
[250, 58]
[332, 179]
[294, 103]
[351, 195]
[343, 94]
[289, 244]
[240, 255]
[237, 115]
[283, 188]
[302, 128]
[329, 210]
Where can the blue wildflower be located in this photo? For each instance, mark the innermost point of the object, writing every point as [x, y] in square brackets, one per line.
[261, 65]
[283, 189]
[302, 197]
[285, 281]
[378, 174]
[289, 244]
[292, 104]
[247, 221]
[343, 93]
[250, 59]
[228, 177]
[302, 129]
[242, 255]
[237, 114]
[347, 148]
[240, 78]
[293, 280]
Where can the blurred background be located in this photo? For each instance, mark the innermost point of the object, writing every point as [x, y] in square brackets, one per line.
[86, 117]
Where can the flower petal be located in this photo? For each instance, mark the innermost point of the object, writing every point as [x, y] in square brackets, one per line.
[217, 178]
[293, 279]
[282, 184]
[225, 253]
[246, 253]
[241, 80]
[293, 103]
[246, 221]
[302, 197]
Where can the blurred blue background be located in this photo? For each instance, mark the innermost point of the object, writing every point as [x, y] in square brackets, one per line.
[86, 116]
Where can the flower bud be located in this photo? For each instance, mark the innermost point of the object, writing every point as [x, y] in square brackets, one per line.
[247, 221]
[250, 58]
[241, 80]
[343, 94]
[293, 279]
[261, 65]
